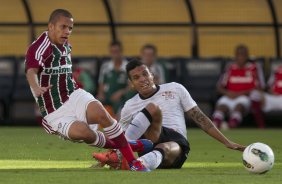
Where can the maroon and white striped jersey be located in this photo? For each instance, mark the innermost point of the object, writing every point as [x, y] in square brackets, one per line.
[55, 68]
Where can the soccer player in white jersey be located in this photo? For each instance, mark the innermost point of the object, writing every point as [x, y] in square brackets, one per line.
[158, 113]
[67, 110]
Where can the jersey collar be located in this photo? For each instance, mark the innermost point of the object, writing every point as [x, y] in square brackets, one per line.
[144, 98]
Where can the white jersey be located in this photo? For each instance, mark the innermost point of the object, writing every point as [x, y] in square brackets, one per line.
[173, 100]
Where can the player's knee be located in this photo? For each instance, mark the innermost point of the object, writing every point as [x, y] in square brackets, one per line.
[168, 154]
[164, 147]
[96, 113]
[171, 151]
[105, 120]
[80, 131]
[154, 110]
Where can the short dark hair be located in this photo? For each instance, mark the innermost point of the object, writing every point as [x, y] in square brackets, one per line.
[242, 48]
[150, 46]
[57, 13]
[132, 64]
[116, 43]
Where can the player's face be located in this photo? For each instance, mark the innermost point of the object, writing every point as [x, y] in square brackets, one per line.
[142, 80]
[241, 57]
[116, 52]
[60, 31]
[148, 56]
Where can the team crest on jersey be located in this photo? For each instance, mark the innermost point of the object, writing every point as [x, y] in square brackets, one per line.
[60, 125]
[64, 54]
[42, 109]
[168, 95]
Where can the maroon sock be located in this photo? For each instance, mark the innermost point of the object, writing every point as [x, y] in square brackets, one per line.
[218, 117]
[116, 135]
[217, 122]
[125, 148]
[233, 123]
[258, 114]
[110, 144]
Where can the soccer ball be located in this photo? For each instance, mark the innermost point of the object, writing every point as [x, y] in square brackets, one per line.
[258, 158]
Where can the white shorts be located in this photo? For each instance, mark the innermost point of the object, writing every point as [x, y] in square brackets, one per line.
[232, 103]
[74, 109]
[272, 102]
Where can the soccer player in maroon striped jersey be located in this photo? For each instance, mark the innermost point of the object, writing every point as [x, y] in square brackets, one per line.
[239, 81]
[68, 111]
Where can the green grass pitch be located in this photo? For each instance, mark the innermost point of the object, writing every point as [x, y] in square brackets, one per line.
[28, 155]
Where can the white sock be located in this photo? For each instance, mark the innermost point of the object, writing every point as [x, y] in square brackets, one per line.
[113, 131]
[100, 139]
[152, 159]
[138, 126]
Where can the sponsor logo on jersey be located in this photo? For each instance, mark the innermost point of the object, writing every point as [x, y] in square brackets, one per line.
[58, 70]
[241, 79]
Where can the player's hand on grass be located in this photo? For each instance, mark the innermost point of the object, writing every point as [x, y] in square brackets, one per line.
[235, 146]
[38, 91]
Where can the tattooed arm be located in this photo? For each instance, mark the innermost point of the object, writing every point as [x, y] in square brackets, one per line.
[206, 124]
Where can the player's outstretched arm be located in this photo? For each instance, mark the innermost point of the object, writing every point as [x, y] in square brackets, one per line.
[31, 76]
[206, 124]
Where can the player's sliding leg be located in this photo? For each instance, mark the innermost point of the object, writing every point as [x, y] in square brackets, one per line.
[139, 125]
[141, 145]
[81, 131]
[147, 122]
[114, 159]
[152, 115]
[165, 155]
[96, 113]
[152, 159]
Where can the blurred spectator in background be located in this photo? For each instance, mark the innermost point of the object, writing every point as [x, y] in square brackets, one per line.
[240, 78]
[83, 79]
[113, 82]
[149, 58]
[271, 101]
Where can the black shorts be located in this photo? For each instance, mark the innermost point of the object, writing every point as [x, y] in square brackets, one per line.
[168, 135]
